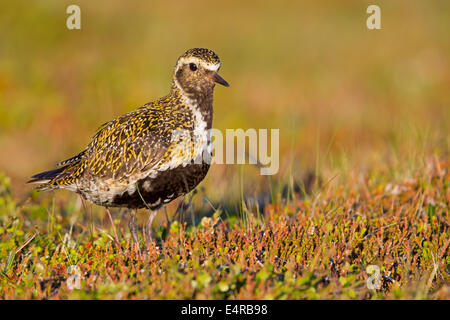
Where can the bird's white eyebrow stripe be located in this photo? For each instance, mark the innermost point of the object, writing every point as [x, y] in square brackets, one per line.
[207, 65]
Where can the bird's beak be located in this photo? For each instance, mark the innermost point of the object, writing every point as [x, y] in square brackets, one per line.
[220, 80]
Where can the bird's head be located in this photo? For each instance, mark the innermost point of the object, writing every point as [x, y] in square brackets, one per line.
[196, 71]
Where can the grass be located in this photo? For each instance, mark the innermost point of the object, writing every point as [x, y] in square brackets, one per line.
[318, 247]
[364, 150]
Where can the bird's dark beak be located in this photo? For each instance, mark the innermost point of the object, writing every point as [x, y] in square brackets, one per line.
[220, 80]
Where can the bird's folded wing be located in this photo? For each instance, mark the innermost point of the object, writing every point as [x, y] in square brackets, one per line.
[128, 145]
[72, 159]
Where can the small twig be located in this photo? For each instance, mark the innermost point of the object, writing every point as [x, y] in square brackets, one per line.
[433, 275]
[26, 243]
[381, 228]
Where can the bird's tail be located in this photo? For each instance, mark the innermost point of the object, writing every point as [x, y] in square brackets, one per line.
[45, 178]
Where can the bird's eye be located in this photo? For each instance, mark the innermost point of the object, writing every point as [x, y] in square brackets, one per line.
[193, 66]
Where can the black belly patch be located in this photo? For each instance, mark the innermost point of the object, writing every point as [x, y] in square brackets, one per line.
[168, 185]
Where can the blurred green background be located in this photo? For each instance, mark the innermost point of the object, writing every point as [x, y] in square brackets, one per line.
[344, 97]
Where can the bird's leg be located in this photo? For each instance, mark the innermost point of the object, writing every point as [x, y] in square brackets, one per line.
[148, 231]
[133, 228]
[113, 227]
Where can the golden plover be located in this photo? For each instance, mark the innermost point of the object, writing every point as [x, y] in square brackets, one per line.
[134, 161]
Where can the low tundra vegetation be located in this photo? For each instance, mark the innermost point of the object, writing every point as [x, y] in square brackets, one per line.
[300, 246]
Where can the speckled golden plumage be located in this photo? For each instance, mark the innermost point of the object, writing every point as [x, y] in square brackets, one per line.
[128, 144]
[133, 161]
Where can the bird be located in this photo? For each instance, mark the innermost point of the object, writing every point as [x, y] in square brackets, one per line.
[152, 155]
